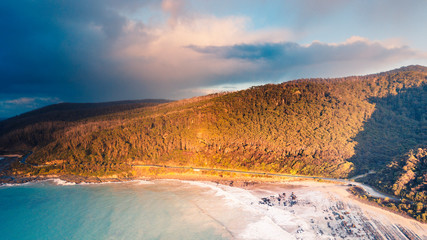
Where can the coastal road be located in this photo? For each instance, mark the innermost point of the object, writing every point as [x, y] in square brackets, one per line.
[371, 191]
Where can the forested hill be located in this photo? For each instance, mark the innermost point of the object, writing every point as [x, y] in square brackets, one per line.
[329, 127]
[35, 128]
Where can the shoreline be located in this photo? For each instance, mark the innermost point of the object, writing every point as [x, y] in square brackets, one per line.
[216, 175]
[230, 180]
[188, 173]
[76, 179]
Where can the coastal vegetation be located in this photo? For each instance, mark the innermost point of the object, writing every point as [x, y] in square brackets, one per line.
[417, 210]
[324, 127]
[406, 177]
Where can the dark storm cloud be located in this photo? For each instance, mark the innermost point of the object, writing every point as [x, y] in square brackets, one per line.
[52, 48]
[280, 57]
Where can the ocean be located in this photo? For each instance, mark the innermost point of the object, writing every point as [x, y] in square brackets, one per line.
[131, 210]
[174, 209]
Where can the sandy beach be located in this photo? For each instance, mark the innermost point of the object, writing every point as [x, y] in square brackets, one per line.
[318, 211]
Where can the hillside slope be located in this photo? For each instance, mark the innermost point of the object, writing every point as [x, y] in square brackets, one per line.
[38, 127]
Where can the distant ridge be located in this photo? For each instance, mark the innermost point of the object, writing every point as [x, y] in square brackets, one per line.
[68, 113]
[410, 68]
[69, 106]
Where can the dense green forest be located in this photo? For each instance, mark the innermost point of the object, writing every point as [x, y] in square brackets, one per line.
[327, 127]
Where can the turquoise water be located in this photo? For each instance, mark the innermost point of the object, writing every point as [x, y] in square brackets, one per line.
[160, 210]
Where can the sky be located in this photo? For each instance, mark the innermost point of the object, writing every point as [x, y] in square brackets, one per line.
[109, 50]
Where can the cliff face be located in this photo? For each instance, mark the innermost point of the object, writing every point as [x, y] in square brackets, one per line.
[329, 127]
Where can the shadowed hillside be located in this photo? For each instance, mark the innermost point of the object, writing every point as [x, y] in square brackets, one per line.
[393, 142]
[398, 124]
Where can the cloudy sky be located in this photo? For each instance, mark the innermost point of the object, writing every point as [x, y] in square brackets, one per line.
[107, 50]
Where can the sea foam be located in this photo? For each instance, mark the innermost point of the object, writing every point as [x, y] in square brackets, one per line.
[255, 221]
[142, 182]
[61, 182]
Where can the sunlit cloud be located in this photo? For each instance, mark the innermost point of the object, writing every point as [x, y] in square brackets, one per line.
[161, 54]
